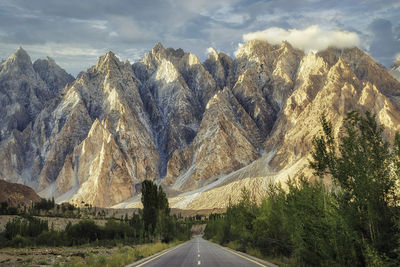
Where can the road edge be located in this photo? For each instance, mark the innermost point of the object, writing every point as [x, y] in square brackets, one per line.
[149, 258]
[266, 263]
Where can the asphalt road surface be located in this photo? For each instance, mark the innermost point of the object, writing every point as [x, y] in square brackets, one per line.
[199, 252]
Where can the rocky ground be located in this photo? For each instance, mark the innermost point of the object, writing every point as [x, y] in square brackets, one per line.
[49, 256]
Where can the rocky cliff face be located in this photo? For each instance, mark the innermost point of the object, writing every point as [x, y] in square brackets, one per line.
[227, 140]
[210, 127]
[25, 91]
[175, 89]
[54, 76]
[113, 144]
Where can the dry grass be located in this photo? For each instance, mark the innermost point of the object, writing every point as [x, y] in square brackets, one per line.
[33, 256]
[121, 257]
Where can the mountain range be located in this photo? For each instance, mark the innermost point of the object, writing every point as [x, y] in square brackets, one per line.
[202, 130]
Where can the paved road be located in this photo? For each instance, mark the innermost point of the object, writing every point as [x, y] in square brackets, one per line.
[199, 252]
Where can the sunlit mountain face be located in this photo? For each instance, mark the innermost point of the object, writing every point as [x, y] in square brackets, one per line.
[199, 129]
[229, 96]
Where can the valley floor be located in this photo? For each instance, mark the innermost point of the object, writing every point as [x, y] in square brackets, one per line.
[80, 256]
[49, 256]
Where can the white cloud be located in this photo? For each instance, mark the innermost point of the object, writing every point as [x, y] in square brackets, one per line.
[312, 38]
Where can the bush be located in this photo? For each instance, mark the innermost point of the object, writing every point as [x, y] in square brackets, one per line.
[83, 232]
[20, 241]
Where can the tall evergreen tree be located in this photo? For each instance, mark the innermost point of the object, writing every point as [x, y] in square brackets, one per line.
[150, 205]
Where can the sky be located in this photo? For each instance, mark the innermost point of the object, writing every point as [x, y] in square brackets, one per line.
[76, 32]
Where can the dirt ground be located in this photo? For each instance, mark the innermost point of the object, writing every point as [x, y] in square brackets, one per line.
[48, 256]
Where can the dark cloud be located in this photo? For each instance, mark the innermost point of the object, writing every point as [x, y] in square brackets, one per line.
[385, 44]
[77, 29]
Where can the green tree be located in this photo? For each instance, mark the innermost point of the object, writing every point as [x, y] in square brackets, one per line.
[156, 211]
[150, 205]
[365, 170]
[3, 207]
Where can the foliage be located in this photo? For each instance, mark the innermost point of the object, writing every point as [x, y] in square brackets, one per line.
[156, 212]
[45, 204]
[5, 209]
[366, 171]
[30, 227]
[353, 223]
[150, 205]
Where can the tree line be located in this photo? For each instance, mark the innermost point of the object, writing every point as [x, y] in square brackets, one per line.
[354, 221]
[153, 223]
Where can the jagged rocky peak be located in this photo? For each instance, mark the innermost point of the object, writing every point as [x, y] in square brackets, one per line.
[227, 140]
[365, 68]
[27, 93]
[106, 94]
[252, 98]
[265, 77]
[21, 56]
[108, 62]
[53, 75]
[158, 49]
[220, 66]
[396, 63]
[275, 65]
[260, 50]
[96, 172]
[192, 123]
[23, 93]
[352, 55]
[395, 69]
[154, 57]
[254, 48]
[178, 57]
[19, 63]
[175, 89]
[212, 53]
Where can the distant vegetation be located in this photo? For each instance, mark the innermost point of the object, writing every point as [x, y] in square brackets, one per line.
[152, 224]
[354, 222]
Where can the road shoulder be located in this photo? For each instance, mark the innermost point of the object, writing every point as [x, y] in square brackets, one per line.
[154, 256]
[245, 255]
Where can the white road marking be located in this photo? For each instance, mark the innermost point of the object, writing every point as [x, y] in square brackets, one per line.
[198, 255]
[198, 263]
[167, 251]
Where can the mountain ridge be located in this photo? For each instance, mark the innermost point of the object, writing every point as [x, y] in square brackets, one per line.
[201, 130]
